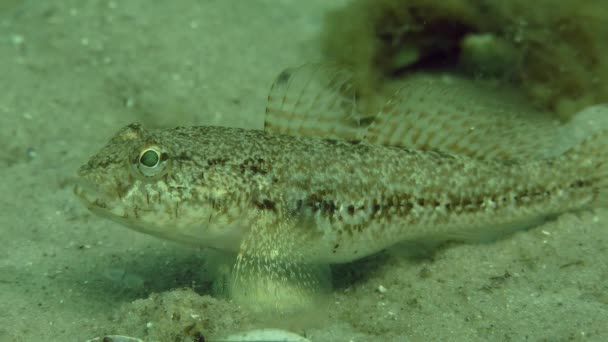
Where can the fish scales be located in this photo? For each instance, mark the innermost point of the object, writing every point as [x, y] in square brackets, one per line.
[352, 199]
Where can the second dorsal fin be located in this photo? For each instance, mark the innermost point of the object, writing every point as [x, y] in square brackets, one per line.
[462, 117]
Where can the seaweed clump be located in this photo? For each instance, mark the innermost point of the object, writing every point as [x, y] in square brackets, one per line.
[558, 55]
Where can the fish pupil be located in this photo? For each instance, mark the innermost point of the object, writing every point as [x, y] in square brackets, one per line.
[149, 158]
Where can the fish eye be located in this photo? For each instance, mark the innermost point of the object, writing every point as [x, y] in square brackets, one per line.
[149, 158]
[150, 161]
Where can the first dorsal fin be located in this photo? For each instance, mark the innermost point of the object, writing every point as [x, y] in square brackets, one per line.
[314, 100]
[426, 113]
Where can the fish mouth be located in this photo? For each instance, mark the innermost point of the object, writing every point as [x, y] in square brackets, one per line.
[91, 195]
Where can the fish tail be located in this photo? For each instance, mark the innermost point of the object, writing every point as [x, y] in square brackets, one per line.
[587, 136]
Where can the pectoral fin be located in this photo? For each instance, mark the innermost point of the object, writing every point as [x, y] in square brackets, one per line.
[270, 272]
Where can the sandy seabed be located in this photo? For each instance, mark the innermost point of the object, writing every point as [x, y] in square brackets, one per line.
[73, 72]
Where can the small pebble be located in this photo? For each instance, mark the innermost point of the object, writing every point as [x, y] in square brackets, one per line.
[31, 153]
[17, 39]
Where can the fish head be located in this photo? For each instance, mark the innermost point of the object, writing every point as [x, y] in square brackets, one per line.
[163, 184]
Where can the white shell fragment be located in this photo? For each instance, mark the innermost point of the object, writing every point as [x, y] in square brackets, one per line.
[258, 335]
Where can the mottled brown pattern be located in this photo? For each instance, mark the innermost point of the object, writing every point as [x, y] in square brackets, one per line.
[334, 196]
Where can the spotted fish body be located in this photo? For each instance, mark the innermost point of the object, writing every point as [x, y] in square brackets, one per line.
[282, 201]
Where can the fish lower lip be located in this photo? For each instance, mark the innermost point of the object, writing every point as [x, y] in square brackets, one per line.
[89, 194]
[83, 195]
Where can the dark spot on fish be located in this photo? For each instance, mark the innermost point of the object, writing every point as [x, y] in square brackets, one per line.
[336, 247]
[375, 208]
[216, 161]
[409, 206]
[266, 204]
[299, 204]
[254, 165]
[182, 156]
[318, 203]
[178, 129]
[216, 203]
[366, 121]
[577, 184]
[351, 209]
[283, 77]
